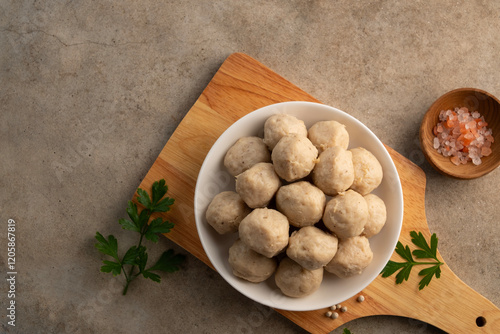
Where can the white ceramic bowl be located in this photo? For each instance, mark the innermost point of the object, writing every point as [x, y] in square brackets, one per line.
[213, 178]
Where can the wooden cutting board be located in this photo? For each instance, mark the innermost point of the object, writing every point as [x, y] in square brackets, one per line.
[242, 85]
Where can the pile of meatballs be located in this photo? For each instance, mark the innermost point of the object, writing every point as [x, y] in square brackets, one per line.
[303, 204]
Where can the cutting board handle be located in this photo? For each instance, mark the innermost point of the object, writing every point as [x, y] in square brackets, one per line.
[455, 307]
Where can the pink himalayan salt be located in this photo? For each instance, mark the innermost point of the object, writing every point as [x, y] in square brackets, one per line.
[463, 136]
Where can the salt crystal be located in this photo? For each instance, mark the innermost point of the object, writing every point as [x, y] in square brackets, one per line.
[485, 151]
[436, 142]
[450, 141]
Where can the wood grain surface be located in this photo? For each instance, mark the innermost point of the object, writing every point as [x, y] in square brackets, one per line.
[242, 85]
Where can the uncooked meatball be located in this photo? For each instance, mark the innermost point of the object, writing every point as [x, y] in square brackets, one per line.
[367, 171]
[311, 247]
[353, 256]
[294, 157]
[334, 172]
[225, 212]
[246, 152]
[377, 215]
[248, 264]
[295, 281]
[258, 184]
[346, 214]
[326, 134]
[301, 202]
[265, 231]
[280, 125]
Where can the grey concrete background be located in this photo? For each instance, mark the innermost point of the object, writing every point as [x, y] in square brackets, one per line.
[90, 92]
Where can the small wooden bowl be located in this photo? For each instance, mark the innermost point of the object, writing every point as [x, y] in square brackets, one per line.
[475, 100]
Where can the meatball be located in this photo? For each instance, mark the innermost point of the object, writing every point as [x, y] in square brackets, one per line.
[225, 212]
[311, 247]
[301, 202]
[246, 152]
[346, 214]
[280, 125]
[326, 134]
[295, 281]
[353, 256]
[334, 172]
[367, 171]
[377, 215]
[265, 231]
[248, 264]
[258, 185]
[294, 157]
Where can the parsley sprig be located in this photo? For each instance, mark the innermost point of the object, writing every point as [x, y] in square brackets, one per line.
[426, 251]
[137, 256]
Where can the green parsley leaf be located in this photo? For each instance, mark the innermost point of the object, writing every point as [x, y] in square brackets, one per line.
[111, 267]
[428, 273]
[169, 262]
[132, 212]
[128, 225]
[157, 226]
[404, 252]
[164, 205]
[152, 276]
[391, 267]
[426, 252]
[159, 189]
[346, 331]
[404, 274]
[131, 256]
[108, 247]
[144, 199]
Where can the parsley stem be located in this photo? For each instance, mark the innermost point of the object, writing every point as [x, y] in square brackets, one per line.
[126, 287]
[129, 278]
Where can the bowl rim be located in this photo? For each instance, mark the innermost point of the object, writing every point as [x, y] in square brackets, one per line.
[398, 212]
[432, 159]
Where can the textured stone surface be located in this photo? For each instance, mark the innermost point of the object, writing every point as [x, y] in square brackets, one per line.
[90, 92]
